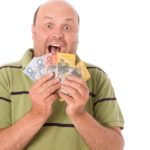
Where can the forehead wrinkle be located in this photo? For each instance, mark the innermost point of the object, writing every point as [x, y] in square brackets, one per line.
[52, 18]
[69, 19]
[48, 17]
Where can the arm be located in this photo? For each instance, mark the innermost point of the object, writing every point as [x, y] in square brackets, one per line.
[96, 136]
[18, 136]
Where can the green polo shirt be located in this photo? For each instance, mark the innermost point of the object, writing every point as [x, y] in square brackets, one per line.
[58, 133]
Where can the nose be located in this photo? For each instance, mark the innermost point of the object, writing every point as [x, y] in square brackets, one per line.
[58, 34]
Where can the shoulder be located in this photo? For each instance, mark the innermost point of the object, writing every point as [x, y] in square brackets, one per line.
[98, 78]
[13, 65]
[10, 70]
[19, 64]
[93, 69]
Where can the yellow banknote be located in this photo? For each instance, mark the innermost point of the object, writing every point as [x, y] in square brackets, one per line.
[82, 71]
[65, 63]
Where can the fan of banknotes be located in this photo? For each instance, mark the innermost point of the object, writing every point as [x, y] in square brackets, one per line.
[62, 65]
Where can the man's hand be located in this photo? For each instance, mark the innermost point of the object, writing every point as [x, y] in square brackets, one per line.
[43, 94]
[77, 97]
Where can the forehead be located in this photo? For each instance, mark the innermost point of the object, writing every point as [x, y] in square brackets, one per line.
[57, 9]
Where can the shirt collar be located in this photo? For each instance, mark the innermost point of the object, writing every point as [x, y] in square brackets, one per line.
[27, 57]
[29, 54]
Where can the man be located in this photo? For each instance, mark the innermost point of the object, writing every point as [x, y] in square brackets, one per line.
[32, 117]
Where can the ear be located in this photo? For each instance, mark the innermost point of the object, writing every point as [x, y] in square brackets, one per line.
[33, 31]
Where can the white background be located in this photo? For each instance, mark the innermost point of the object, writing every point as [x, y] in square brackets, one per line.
[115, 35]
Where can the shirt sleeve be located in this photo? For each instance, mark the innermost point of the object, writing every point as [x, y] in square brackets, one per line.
[5, 102]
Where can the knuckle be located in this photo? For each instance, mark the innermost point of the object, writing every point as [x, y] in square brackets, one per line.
[52, 88]
[74, 92]
[80, 86]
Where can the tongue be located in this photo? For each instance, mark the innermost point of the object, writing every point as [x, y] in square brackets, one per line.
[53, 50]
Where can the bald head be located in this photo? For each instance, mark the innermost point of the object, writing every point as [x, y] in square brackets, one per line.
[56, 23]
[55, 4]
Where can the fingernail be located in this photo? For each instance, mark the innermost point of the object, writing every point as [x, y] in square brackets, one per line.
[58, 79]
[51, 74]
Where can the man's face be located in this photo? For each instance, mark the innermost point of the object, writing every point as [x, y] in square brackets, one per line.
[55, 30]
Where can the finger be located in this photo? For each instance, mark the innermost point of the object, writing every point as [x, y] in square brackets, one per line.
[71, 92]
[49, 91]
[76, 85]
[52, 98]
[48, 84]
[77, 80]
[68, 99]
[42, 80]
[53, 81]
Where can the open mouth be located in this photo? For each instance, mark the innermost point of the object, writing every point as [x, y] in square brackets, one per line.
[54, 49]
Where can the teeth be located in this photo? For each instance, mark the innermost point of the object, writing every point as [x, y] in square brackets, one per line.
[53, 48]
[56, 45]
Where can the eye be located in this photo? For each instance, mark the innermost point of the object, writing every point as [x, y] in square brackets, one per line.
[49, 26]
[67, 28]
